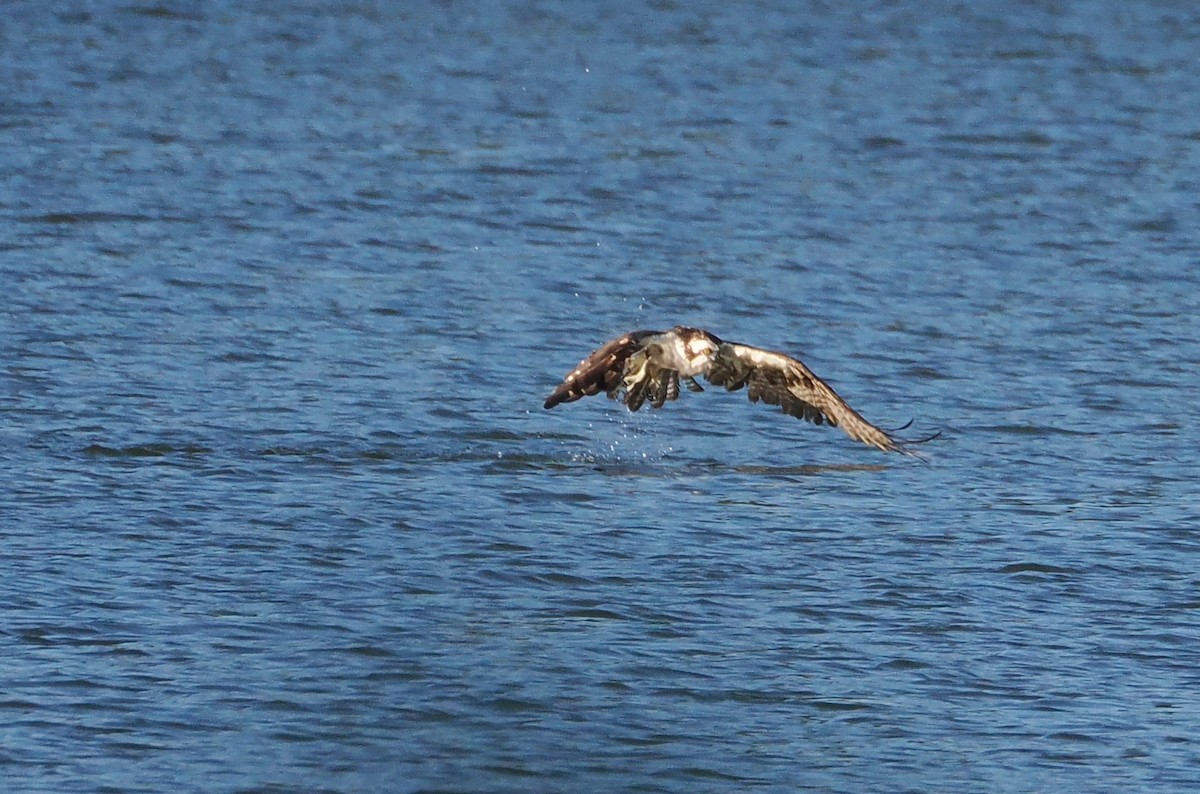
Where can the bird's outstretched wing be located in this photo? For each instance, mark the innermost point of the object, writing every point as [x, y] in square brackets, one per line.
[603, 370]
[778, 379]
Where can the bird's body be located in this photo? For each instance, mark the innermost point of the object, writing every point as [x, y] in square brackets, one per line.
[649, 365]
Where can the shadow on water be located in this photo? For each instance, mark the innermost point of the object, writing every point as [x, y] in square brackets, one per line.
[714, 468]
[499, 451]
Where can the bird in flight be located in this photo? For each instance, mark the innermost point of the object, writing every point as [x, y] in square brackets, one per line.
[650, 365]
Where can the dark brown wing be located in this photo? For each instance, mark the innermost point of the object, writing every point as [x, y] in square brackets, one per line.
[777, 379]
[601, 371]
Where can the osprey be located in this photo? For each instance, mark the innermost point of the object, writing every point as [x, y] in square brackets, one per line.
[649, 365]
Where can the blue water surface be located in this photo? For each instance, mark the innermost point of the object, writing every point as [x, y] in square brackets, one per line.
[285, 286]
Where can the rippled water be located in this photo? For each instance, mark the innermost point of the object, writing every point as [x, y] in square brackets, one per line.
[284, 291]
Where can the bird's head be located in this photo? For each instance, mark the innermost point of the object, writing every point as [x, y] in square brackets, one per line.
[699, 344]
